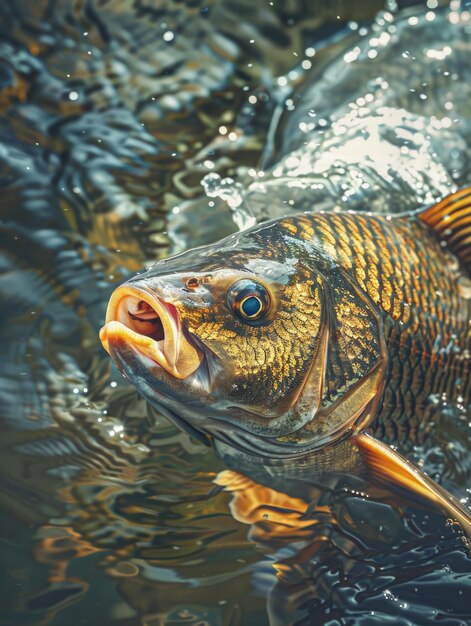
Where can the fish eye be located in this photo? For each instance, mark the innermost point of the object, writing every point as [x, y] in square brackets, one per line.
[248, 300]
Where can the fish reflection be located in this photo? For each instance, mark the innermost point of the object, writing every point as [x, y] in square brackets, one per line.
[273, 515]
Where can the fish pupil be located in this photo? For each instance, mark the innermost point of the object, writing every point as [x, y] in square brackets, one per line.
[251, 306]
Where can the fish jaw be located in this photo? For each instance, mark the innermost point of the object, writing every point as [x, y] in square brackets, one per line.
[139, 318]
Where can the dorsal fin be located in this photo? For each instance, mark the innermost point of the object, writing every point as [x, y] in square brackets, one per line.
[451, 220]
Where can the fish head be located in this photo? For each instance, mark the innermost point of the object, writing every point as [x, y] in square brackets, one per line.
[231, 340]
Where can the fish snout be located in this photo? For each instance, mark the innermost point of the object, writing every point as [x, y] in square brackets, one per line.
[142, 319]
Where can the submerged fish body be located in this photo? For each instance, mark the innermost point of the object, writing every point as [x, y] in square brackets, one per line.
[297, 334]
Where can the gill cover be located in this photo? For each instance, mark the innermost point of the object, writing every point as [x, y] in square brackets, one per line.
[344, 382]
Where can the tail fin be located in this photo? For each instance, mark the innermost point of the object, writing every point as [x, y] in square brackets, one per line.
[451, 220]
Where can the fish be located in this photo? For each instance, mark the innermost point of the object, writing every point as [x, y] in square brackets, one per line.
[304, 336]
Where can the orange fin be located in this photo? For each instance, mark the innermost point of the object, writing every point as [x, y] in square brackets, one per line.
[390, 468]
[451, 220]
[271, 513]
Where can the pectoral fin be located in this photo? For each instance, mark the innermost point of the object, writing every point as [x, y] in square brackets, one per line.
[386, 466]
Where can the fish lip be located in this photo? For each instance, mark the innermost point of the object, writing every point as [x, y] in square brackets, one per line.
[175, 353]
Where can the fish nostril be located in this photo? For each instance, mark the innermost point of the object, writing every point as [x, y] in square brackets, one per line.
[143, 319]
[192, 283]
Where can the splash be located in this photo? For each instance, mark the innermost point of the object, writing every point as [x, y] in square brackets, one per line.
[230, 192]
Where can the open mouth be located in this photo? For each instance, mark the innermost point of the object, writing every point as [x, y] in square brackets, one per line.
[152, 326]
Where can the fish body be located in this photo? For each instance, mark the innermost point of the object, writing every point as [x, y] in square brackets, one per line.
[304, 331]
